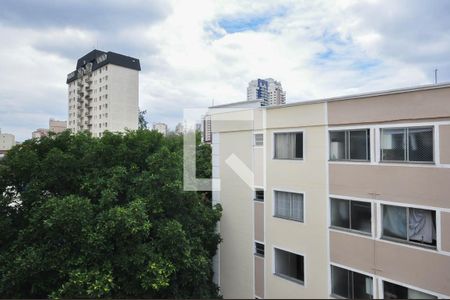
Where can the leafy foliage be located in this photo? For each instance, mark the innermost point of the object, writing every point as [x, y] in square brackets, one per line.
[82, 217]
[143, 124]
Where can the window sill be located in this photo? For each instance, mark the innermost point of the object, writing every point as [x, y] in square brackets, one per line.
[289, 159]
[405, 242]
[259, 255]
[349, 161]
[258, 200]
[288, 219]
[407, 162]
[343, 229]
[294, 280]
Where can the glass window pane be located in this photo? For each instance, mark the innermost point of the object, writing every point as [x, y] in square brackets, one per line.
[361, 216]
[337, 145]
[422, 226]
[420, 144]
[393, 144]
[297, 207]
[414, 294]
[282, 141]
[340, 283]
[299, 145]
[340, 213]
[282, 204]
[362, 286]
[394, 221]
[358, 145]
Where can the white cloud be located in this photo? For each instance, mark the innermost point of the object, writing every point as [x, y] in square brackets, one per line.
[204, 50]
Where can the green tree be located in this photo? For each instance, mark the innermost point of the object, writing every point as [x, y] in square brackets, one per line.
[82, 217]
[143, 124]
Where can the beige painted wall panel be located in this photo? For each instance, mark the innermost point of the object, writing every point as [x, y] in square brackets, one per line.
[296, 116]
[258, 166]
[444, 140]
[236, 224]
[259, 276]
[445, 231]
[232, 121]
[403, 106]
[414, 185]
[414, 266]
[258, 118]
[259, 221]
[308, 238]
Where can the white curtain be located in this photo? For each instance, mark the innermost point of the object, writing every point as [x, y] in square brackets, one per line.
[394, 221]
[297, 207]
[284, 145]
[289, 205]
[421, 227]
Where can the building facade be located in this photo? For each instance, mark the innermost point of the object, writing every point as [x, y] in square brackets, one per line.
[336, 198]
[267, 91]
[103, 93]
[53, 126]
[7, 141]
[161, 128]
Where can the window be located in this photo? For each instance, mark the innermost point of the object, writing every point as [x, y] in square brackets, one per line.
[288, 145]
[413, 225]
[395, 291]
[259, 139]
[289, 265]
[353, 215]
[351, 285]
[350, 145]
[289, 206]
[413, 144]
[259, 249]
[259, 195]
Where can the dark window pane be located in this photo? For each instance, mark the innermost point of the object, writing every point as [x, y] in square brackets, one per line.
[394, 291]
[337, 145]
[299, 145]
[361, 216]
[259, 195]
[393, 144]
[259, 249]
[394, 221]
[289, 264]
[358, 145]
[420, 144]
[340, 282]
[340, 213]
[362, 286]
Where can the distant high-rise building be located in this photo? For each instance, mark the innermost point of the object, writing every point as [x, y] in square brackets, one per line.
[268, 91]
[104, 93]
[161, 128]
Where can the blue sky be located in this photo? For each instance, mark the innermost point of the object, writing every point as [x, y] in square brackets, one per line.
[194, 51]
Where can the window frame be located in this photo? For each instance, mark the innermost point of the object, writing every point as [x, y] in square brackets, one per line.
[350, 229]
[255, 143]
[284, 276]
[256, 253]
[351, 275]
[293, 131]
[347, 144]
[274, 214]
[406, 160]
[383, 281]
[407, 241]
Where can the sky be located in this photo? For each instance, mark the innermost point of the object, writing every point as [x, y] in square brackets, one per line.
[197, 52]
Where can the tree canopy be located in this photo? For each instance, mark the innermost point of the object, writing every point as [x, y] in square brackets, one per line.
[84, 217]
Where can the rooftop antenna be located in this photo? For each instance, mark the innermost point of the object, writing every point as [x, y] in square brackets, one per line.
[435, 76]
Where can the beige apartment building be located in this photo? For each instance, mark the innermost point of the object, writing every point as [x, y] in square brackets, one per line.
[345, 197]
[54, 126]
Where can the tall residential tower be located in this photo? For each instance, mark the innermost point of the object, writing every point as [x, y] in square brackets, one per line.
[103, 93]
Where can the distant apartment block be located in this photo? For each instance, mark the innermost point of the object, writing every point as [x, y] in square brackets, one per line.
[53, 126]
[161, 128]
[103, 93]
[337, 198]
[267, 91]
[7, 141]
[179, 129]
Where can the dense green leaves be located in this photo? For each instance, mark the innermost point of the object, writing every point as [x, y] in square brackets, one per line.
[88, 218]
